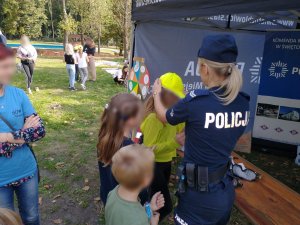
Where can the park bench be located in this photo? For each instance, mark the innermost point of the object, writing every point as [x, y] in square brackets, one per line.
[266, 201]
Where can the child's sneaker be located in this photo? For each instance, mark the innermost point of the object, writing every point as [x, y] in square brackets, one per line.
[83, 86]
[29, 91]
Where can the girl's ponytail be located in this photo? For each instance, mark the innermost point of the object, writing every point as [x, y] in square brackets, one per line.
[231, 85]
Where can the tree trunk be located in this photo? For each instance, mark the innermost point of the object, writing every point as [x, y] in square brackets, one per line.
[66, 34]
[125, 30]
[82, 38]
[50, 6]
[99, 39]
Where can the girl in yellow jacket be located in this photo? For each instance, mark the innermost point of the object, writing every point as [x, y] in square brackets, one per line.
[164, 137]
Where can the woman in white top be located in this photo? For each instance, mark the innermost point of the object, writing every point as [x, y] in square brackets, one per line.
[83, 60]
[28, 55]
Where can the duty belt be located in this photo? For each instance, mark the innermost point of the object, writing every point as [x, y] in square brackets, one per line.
[199, 178]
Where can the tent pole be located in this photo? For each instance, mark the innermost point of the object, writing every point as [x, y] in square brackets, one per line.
[132, 38]
[228, 22]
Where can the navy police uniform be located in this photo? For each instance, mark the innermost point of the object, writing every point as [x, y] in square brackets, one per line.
[212, 131]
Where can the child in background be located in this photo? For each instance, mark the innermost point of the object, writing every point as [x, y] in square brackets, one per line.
[77, 73]
[83, 60]
[133, 168]
[121, 75]
[122, 115]
[9, 217]
[70, 61]
[164, 137]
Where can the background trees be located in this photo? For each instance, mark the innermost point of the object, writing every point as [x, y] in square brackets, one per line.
[106, 21]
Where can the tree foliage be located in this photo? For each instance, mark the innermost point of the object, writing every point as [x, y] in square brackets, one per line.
[23, 17]
[105, 20]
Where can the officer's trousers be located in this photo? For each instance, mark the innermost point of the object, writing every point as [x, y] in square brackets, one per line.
[206, 208]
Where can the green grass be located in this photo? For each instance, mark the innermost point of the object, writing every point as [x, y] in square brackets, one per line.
[67, 154]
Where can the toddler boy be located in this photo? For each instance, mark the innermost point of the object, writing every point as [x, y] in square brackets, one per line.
[132, 166]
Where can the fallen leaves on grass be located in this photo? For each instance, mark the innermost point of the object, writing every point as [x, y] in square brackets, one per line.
[57, 221]
[47, 186]
[86, 188]
[59, 165]
[50, 158]
[56, 197]
[40, 200]
[97, 199]
[55, 106]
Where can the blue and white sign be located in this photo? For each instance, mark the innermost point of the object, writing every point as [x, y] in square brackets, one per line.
[278, 104]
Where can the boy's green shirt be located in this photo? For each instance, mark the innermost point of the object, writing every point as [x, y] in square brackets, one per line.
[162, 136]
[121, 212]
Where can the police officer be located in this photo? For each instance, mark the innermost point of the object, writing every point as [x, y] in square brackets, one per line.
[215, 119]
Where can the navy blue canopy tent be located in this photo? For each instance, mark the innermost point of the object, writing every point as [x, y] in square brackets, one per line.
[143, 10]
[168, 33]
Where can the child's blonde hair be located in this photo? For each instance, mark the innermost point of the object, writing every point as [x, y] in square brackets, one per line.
[131, 164]
[9, 217]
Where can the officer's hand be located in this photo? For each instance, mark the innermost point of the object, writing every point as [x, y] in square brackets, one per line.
[180, 138]
[157, 86]
[155, 218]
[157, 201]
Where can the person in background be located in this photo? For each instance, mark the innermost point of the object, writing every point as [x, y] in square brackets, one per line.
[70, 61]
[28, 55]
[19, 126]
[120, 117]
[83, 60]
[164, 137]
[77, 73]
[3, 39]
[120, 75]
[132, 166]
[90, 49]
[9, 217]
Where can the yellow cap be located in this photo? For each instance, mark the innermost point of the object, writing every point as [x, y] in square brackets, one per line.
[173, 83]
[77, 47]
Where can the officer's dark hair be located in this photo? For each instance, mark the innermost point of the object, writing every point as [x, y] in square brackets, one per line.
[232, 83]
[117, 112]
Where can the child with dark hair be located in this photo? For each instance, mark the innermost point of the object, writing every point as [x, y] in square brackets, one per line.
[122, 115]
[121, 75]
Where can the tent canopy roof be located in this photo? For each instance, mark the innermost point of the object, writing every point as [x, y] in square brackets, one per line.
[144, 10]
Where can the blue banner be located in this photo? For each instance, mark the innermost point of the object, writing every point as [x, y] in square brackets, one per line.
[278, 104]
[281, 65]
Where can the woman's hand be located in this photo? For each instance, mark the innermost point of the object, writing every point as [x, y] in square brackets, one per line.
[3, 137]
[157, 201]
[180, 138]
[157, 86]
[32, 121]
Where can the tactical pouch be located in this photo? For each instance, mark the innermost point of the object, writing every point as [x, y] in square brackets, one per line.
[191, 174]
[203, 179]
